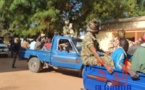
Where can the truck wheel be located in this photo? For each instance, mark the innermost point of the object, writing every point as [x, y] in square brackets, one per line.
[34, 65]
[81, 72]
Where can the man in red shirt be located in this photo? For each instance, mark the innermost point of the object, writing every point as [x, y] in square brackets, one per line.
[47, 45]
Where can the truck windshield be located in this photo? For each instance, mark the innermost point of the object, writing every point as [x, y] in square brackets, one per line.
[78, 43]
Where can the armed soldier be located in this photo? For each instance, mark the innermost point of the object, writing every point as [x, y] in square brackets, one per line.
[90, 48]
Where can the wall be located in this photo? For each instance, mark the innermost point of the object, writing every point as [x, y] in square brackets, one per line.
[126, 23]
[105, 36]
[134, 28]
[103, 39]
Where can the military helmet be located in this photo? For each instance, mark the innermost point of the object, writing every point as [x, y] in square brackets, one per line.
[66, 22]
[121, 33]
[93, 25]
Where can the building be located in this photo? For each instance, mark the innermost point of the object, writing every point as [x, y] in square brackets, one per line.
[134, 28]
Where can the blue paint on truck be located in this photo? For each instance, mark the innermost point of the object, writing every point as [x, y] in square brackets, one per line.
[98, 78]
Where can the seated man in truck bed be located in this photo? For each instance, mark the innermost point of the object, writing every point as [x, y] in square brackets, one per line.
[120, 57]
[90, 47]
[138, 60]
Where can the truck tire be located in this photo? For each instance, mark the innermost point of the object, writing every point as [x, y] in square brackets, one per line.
[81, 72]
[34, 65]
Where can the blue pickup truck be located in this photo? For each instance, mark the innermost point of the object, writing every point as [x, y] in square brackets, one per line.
[54, 57]
[94, 77]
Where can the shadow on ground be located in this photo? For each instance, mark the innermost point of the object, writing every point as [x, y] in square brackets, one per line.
[62, 71]
[6, 65]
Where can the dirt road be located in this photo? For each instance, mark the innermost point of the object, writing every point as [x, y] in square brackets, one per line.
[20, 78]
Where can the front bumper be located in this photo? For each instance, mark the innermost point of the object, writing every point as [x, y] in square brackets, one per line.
[3, 52]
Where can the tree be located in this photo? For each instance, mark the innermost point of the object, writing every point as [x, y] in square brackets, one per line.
[107, 9]
[139, 9]
[31, 17]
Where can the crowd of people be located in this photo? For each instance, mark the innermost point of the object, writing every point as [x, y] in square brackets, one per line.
[116, 57]
[41, 43]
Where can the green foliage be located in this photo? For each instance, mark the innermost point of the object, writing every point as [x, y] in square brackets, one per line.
[107, 9]
[30, 17]
[139, 9]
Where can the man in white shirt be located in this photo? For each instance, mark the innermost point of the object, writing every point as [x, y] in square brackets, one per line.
[32, 44]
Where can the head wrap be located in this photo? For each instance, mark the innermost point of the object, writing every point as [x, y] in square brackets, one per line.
[93, 25]
[66, 22]
[121, 33]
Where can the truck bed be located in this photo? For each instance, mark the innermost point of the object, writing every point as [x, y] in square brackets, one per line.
[98, 78]
[41, 55]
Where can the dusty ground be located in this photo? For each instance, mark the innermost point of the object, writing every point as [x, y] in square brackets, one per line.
[21, 78]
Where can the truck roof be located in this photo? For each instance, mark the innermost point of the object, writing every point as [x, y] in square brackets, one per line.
[66, 37]
[62, 37]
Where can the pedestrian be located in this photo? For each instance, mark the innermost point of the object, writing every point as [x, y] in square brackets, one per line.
[16, 49]
[90, 46]
[11, 46]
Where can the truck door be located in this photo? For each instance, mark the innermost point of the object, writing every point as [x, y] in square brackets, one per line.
[64, 55]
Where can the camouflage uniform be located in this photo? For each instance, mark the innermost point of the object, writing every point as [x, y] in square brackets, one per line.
[87, 56]
[66, 30]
